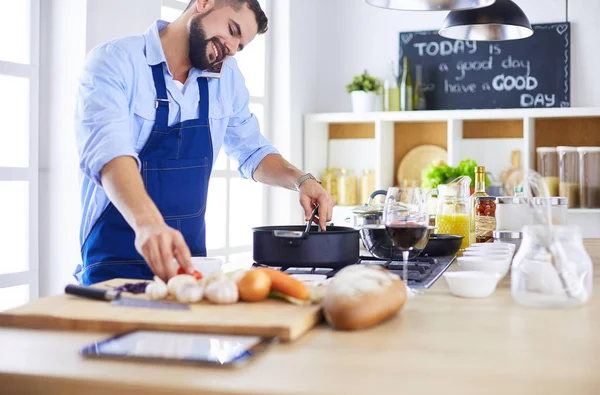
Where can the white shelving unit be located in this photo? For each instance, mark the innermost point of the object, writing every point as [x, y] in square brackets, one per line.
[317, 143]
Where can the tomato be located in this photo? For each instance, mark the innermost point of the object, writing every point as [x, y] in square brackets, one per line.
[197, 275]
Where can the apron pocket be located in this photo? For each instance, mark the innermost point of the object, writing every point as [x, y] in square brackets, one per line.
[178, 187]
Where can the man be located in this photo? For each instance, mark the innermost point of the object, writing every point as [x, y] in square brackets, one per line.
[149, 127]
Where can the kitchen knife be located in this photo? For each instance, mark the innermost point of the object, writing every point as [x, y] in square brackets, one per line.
[116, 299]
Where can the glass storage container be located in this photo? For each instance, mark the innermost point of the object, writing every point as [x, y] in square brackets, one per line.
[512, 213]
[558, 208]
[485, 218]
[589, 176]
[347, 188]
[569, 175]
[552, 268]
[329, 180]
[367, 185]
[548, 168]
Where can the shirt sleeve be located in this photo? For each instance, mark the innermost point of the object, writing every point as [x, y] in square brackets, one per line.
[244, 142]
[102, 122]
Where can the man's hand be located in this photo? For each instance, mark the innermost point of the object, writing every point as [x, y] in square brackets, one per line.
[159, 244]
[311, 194]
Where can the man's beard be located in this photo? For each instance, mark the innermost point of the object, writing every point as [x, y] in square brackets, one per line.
[199, 44]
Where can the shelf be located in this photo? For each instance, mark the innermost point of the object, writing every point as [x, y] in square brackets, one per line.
[444, 115]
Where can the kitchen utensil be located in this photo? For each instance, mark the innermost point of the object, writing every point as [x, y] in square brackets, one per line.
[417, 159]
[65, 312]
[472, 284]
[442, 245]
[305, 246]
[116, 299]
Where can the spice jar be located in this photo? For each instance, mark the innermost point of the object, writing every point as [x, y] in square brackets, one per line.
[329, 180]
[548, 168]
[367, 185]
[347, 188]
[569, 175]
[589, 176]
[485, 218]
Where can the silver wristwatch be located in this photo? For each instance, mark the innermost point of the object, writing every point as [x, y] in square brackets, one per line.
[305, 177]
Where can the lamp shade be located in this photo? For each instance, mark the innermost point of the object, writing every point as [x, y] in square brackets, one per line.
[501, 21]
[430, 5]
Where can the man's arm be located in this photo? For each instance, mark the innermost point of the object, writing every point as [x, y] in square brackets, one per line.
[107, 156]
[154, 239]
[276, 171]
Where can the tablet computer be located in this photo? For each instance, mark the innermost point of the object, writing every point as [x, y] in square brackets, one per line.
[193, 348]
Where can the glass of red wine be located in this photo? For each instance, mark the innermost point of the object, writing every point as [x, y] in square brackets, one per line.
[406, 222]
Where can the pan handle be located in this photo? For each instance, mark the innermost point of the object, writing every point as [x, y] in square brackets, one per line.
[290, 237]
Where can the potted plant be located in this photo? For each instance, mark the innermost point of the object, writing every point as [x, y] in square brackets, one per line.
[363, 91]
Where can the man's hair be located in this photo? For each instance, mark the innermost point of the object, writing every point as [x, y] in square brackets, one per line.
[254, 5]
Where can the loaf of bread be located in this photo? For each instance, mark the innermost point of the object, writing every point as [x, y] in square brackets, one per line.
[361, 296]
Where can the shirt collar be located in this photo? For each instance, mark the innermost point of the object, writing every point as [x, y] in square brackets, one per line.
[154, 51]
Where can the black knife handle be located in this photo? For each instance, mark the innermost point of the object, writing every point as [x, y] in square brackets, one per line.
[91, 293]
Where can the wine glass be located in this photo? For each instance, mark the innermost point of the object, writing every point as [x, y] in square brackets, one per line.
[406, 222]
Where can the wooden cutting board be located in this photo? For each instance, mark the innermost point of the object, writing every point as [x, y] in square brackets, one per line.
[67, 312]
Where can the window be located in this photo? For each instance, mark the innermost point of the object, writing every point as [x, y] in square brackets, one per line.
[235, 205]
[19, 84]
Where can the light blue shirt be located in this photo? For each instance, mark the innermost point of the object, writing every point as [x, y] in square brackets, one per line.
[116, 110]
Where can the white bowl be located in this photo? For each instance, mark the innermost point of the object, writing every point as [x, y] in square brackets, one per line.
[484, 264]
[492, 253]
[492, 246]
[207, 266]
[472, 284]
[311, 279]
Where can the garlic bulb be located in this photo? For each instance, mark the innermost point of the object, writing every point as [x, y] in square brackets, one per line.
[178, 281]
[189, 293]
[222, 292]
[157, 289]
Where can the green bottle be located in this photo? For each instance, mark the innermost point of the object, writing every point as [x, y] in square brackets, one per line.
[406, 87]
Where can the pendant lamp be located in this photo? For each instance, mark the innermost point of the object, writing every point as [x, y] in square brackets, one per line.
[501, 21]
[430, 5]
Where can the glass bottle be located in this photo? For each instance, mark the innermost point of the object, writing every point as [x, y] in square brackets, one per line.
[406, 87]
[479, 192]
[419, 100]
[391, 96]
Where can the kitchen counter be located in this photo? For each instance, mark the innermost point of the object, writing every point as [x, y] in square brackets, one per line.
[437, 344]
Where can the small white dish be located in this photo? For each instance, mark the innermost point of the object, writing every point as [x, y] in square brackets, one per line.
[207, 266]
[311, 279]
[484, 264]
[471, 284]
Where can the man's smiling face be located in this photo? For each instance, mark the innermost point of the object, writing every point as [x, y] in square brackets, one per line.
[219, 33]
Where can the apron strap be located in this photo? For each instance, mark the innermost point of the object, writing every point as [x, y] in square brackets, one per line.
[204, 100]
[162, 100]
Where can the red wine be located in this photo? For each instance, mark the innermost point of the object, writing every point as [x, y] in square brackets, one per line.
[406, 236]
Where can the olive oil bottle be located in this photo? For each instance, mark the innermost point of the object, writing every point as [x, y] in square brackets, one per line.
[407, 94]
[479, 191]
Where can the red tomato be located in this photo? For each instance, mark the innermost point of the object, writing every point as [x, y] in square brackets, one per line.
[196, 273]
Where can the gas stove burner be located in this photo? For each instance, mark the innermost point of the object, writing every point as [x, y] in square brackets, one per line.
[422, 271]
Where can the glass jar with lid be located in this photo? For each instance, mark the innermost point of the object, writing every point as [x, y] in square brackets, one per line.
[329, 180]
[485, 218]
[569, 175]
[589, 176]
[548, 168]
[558, 208]
[347, 188]
[367, 185]
[513, 212]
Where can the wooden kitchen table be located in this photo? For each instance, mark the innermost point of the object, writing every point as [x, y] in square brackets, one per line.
[438, 344]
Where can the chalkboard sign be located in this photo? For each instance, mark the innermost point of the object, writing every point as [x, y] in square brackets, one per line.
[532, 72]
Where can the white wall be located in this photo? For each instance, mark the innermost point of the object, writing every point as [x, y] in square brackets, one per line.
[353, 36]
[69, 29]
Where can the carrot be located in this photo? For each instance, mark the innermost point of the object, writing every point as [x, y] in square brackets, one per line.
[286, 284]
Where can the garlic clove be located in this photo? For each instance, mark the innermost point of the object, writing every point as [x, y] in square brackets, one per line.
[222, 292]
[156, 290]
[176, 282]
[189, 293]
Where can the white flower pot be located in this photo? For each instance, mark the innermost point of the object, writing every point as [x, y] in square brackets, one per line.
[363, 101]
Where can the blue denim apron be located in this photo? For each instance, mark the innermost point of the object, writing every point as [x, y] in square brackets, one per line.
[176, 166]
